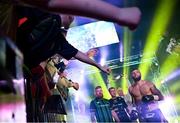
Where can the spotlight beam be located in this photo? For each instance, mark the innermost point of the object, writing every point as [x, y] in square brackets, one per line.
[159, 24]
[126, 42]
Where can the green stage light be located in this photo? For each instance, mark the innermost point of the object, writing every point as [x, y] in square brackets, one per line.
[174, 88]
[170, 64]
[159, 24]
[111, 80]
[97, 80]
[127, 38]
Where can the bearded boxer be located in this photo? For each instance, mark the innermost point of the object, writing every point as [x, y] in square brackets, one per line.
[145, 96]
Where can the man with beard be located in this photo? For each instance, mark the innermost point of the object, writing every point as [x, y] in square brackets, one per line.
[145, 96]
[100, 108]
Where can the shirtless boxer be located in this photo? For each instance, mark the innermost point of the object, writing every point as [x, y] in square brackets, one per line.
[145, 96]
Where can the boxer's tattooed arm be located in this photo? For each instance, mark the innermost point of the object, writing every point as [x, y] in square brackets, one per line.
[157, 92]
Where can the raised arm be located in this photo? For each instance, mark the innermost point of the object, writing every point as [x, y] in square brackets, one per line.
[84, 58]
[98, 9]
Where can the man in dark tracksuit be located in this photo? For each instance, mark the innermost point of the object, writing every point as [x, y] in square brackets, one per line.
[119, 105]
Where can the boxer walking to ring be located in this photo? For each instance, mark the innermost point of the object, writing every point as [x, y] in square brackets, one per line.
[145, 96]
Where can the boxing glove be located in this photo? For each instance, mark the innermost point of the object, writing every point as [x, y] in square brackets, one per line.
[147, 98]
